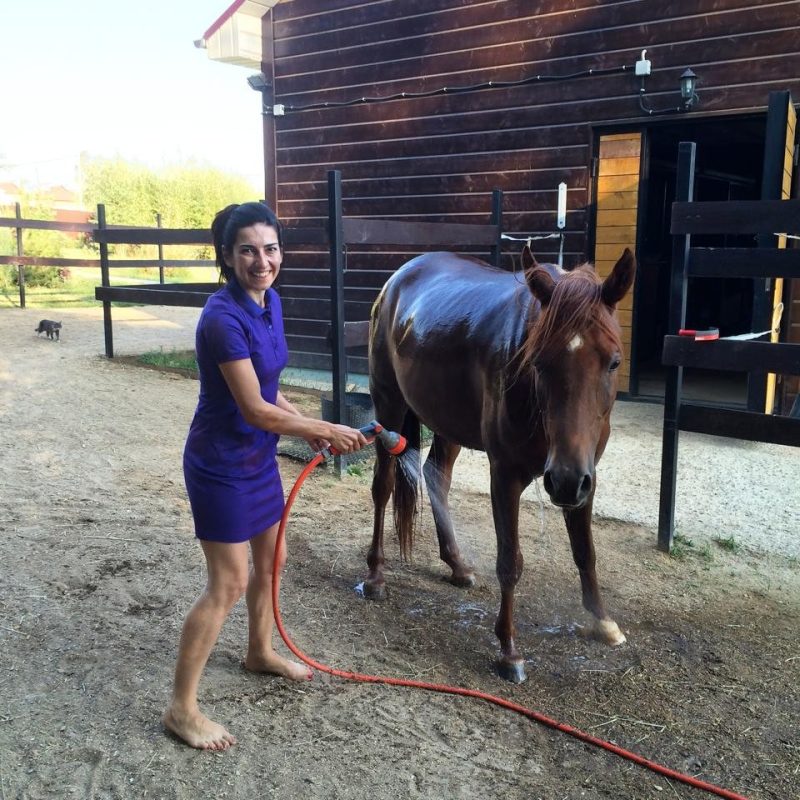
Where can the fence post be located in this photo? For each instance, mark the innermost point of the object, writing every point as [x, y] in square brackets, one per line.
[684, 192]
[337, 257]
[20, 251]
[160, 253]
[105, 281]
[497, 221]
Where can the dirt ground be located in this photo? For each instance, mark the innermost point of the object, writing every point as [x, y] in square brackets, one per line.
[100, 566]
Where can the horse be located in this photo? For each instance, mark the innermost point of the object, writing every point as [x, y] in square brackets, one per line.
[522, 368]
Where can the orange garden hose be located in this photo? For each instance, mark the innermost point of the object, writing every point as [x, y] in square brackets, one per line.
[437, 687]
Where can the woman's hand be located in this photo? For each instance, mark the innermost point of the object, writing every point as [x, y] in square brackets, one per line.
[316, 443]
[345, 439]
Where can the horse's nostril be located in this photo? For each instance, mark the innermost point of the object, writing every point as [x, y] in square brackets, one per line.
[548, 482]
[586, 485]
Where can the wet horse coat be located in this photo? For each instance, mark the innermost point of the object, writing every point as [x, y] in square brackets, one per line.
[522, 368]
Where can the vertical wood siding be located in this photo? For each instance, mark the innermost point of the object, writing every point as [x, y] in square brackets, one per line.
[617, 202]
[438, 158]
[792, 294]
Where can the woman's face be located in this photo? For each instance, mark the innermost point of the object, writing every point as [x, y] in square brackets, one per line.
[255, 259]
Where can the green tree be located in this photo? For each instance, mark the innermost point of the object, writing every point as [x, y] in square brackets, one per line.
[127, 190]
[186, 195]
[35, 242]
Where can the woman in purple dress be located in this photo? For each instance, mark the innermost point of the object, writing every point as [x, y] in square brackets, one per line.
[230, 464]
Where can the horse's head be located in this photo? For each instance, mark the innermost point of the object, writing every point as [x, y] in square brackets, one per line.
[575, 350]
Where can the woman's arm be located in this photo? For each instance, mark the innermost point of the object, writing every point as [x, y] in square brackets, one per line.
[283, 403]
[316, 443]
[282, 417]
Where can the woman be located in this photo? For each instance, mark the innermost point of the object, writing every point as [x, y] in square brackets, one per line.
[230, 464]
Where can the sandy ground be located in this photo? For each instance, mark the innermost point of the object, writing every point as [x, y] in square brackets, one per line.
[100, 565]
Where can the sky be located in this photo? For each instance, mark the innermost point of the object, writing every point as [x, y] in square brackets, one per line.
[120, 78]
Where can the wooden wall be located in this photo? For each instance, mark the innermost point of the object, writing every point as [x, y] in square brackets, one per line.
[790, 295]
[617, 207]
[438, 158]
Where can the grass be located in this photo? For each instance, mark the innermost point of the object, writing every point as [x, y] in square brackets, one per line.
[78, 290]
[172, 359]
[683, 547]
[730, 544]
[74, 293]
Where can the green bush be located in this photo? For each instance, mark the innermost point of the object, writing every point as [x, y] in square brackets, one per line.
[8, 277]
[45, 277]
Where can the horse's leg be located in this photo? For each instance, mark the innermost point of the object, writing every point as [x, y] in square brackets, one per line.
[382, 484]
[506, 491]
[438, 471]
[579, 528]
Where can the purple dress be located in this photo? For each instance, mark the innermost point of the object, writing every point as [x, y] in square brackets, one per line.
[230, 467]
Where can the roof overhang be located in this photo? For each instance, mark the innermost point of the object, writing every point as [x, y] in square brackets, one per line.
[235, 37]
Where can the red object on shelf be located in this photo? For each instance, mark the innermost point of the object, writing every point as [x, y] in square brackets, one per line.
[700, 336]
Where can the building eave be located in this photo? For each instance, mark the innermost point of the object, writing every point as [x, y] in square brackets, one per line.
[235, 36]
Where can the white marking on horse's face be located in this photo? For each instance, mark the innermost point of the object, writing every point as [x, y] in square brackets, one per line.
[575, 343]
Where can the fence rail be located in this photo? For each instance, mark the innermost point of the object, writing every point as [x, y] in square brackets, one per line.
[742, 355]
[103, 236]
[344, 332]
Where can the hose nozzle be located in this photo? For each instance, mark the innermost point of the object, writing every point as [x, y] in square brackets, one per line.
[395, 443]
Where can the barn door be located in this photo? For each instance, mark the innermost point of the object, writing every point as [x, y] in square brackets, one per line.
[770, 299]
[617, 204]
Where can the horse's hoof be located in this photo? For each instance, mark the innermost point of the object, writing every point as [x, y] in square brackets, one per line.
[608, 632]
[375, 590]
[464, 580]
[512, 670]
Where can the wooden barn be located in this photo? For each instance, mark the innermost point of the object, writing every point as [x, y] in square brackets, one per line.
[426, 106]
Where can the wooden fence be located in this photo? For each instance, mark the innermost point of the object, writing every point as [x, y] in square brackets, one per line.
[160, 237]
[751, 356]
[337, 235]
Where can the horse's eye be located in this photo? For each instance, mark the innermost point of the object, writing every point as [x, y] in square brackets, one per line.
[615, 362]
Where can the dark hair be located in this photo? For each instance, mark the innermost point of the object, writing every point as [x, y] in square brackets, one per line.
[227, 224]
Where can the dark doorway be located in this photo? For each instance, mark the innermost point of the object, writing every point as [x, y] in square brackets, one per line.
[729, 165]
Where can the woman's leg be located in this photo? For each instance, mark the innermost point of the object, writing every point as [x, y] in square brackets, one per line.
[227, 580]
[261, 657]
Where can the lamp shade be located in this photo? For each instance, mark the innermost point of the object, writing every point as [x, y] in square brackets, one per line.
[688, 83]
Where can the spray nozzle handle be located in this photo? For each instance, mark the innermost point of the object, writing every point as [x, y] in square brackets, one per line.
[393, 442]
[371, 429]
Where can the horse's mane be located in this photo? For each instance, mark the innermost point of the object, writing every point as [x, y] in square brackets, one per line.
[575, 306]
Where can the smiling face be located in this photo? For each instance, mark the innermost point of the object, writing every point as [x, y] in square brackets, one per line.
[255, 259]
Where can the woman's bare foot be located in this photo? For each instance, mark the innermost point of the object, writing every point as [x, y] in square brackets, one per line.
[197, 730]
[277, 665]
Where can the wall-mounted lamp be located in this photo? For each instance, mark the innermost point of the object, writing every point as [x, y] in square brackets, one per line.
[688, 94]
[259, 83]
[688, 84]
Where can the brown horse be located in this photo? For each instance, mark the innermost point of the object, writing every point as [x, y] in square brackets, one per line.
[525, 370]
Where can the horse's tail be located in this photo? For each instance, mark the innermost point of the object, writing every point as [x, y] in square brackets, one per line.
[407, 485]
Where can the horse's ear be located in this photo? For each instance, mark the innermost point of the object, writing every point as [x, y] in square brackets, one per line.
[528, 259]
[617, 284]
[541, 284]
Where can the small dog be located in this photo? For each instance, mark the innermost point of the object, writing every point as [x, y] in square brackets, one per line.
[49, 327]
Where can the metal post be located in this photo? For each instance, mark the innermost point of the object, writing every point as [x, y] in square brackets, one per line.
[105, 281]
[772, 177]
[497, 221]
[684, 192]
[337, 258]
[268, 118]
[20, 251]
[160, 253]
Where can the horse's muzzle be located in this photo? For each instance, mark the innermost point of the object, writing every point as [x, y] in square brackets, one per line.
[568, 488]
